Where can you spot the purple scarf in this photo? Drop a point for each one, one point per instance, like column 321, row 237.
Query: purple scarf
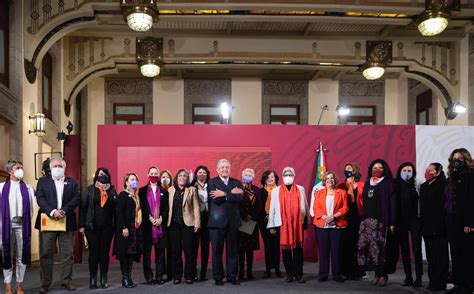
column 156, row 232
column 26, row 224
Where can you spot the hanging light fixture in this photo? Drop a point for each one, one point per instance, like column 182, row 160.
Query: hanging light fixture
column 37, row 124
column 435, row 18
column 149, row 56
column 139, row 15
column 378, row 54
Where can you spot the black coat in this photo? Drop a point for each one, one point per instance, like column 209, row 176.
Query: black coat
column 125, row 219
column 146, row 225
column 224, row 211
column 87, row 211
column 463, row 188
column 262, row 214
column 432, row 208
column 408, row 201
column 47, row 200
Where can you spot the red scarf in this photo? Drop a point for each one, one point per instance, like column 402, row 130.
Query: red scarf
column 291, row 230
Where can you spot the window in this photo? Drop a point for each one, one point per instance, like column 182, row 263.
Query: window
column 360, row 115
column 284, row 114
column 47, row 78
column 4, row 36
column 424, row 102
column 129, row 114
column 207, row 114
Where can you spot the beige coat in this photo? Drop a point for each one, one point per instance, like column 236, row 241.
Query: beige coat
column 191, row 212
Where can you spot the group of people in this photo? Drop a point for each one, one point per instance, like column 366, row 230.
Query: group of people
column 359, row 225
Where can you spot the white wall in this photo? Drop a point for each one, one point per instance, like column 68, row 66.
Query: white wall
column 95, row 117
column 247, row 99
column 323, row 92
column 396, row 101
column 168, row 101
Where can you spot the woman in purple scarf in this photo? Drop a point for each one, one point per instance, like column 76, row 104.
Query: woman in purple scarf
column 154, row 202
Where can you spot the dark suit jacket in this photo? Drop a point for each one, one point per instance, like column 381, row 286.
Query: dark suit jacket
column 224, row 211
column 146, row 225
column 47, row 200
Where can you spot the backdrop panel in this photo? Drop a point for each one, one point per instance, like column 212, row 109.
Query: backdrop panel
column 131, row 148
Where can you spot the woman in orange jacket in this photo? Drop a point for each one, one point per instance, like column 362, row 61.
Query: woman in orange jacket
column 330, row 209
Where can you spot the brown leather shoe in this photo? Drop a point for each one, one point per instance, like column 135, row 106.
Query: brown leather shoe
column 19, row 289
column 69, row 287
column 382, row 282
column 44, row 290
column 8, row 288
column 375, row 281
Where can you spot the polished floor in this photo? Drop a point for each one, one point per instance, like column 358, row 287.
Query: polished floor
column 273, row 286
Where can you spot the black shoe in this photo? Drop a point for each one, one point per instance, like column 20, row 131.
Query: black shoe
column 132, row 283
column 300, row 280
column 176, row 282
column 150, row 282
column 289, row 279
column 93, row 283
column 126, row 283
column 234, row 282
column 159, row 281
column 195, row 279
column 202, row 277
column 189, row 282
column 103, row 282
column 278, row 274
column 250, row 276
column 219, row 283
column 407, row 282
column 417, row 283
column 322, row 279
column 241, row 277
column 267, row 275
column 337, row 279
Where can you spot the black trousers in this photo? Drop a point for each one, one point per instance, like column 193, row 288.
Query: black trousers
column 349, row 264
column 182, row 238
column 99, row 241
column 438, row 260
column 203, row 242
column 231, row 238
column 413, row 229
column 329, row 245
column 245, row 255
column 271, row 245
column 159, row 262
column 126, row 265
column 293, row 262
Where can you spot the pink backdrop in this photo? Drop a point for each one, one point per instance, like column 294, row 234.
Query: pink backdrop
column 130, row 148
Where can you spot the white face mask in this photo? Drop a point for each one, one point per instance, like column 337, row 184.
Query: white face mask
column 57, row 172
column 165, row 181
column 19, row 174
column 288, row 180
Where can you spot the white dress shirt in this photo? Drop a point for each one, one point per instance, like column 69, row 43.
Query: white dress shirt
column 59, row 184
column 16, row 199
column 202, row 193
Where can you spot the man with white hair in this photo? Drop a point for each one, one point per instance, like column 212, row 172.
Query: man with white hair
column 289, row 212
column 57, row 197
column 225, row 194
column 16, row 202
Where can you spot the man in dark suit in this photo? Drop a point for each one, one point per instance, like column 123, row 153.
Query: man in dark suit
column 225, row 193
column 57, row 196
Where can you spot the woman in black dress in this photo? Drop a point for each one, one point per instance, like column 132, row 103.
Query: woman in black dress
column 128, row 215
column 96, row 221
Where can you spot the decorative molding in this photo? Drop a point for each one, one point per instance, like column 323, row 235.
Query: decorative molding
column 8, row 105
column 128, row 86
column 362, row 89
column 285, row 88
column 412, row 83
column 207, row 88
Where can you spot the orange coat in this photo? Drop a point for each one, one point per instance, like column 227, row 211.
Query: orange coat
column 340, row 205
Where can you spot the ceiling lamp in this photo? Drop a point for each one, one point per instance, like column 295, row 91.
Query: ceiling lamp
column 139, row 15
column 378, row 54
column 149, row 53
column 435, row 18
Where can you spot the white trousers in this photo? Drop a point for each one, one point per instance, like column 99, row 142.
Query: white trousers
column 16, row 241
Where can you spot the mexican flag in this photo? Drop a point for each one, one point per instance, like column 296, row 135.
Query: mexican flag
column 321, row 168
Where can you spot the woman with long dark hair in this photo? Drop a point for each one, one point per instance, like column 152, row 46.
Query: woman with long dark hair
column 96, row 220
column 433, row 226
column 460, row 219
column 409, row 222
column 379, row 217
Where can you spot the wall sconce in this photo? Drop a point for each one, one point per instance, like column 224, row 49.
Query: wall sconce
column 149, row 52
column 139, row 15
column 378, row 54
column 37, row 124
column 453, row 110
column 434, row 20
column 342, row 110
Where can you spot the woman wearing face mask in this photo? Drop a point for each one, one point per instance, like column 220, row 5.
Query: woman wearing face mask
column 409, row 222
column 166, row 179
column 379, row 216
column 201, row 176
column 184, row 220
column 330, row 209
column 289, row 211
column 248, row 212
column 271, row 242
column 96, row 220
column 154, row 200
column 128, row 216
column 353, row 187
column 460, row 219
column 433, row 226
